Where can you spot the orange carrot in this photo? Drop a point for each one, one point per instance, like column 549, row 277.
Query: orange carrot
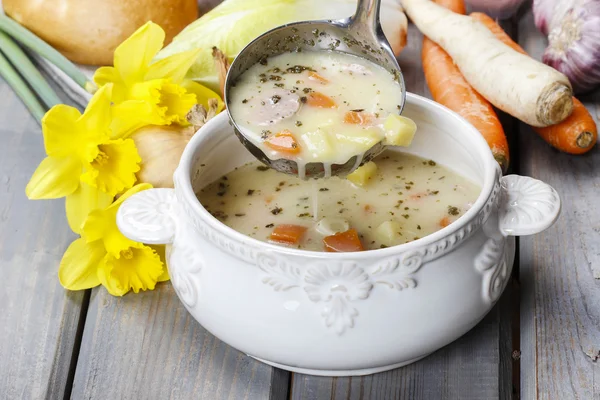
column 316, row 99
column 287, row 233
column 359, row 118
column 343, row 242
column 316, row 77
column 457, row 6
column 575, row 135
column 444, row 222
column 449, row 87
column 283, row 141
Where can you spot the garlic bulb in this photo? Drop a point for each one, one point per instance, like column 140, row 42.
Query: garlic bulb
column 573, row 29
column 161, row 147
column 496, row 8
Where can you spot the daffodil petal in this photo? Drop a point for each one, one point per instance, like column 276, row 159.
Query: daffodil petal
column 54, row 178
column 83, row 201
column 60, row 129
column 101, row 224
column 137, row 269
column 79, row 265
column 114, row 168
column 133, row 56
column 173, row 67
column 136, row 189
column 132, row 115
column 106, row 75
column 96, row 119
column 203, row 94
column 161, row 251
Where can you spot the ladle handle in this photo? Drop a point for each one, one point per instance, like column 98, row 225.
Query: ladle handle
column 367, row 15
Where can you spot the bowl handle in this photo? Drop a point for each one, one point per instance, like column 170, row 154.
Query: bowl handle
column 148, row 216
column 528, row 206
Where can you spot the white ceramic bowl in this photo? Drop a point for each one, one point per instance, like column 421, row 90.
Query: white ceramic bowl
column 342, row 313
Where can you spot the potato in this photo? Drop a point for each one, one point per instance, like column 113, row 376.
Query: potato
column 388, row 233
column 363, row 174
column 367, row 137
column 399, row 130
column 318, row 143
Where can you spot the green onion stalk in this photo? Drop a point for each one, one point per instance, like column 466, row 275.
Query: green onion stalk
column 34, row 43
column 12, row 77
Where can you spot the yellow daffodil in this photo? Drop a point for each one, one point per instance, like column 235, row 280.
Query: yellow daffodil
column 104, row 256
column 147, row 93
column 84, row 163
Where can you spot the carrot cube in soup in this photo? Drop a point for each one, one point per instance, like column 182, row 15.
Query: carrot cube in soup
column 444, row 222
column 312, row 75
column 288, row 233
column 320, row 100
column 343, row 242
column 284, row 142
column 359, row 118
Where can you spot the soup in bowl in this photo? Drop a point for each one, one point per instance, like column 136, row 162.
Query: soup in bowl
column 341, row 313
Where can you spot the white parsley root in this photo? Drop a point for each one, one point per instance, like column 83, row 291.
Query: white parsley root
column 515, row 83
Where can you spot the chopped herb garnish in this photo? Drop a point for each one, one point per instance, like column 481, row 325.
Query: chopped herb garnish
column 276, row 210
column 240, row 215
column 307, row 90
column 262, row 168
column 406, row 216
column 419, row 227
column 279, row 85
column 453, row 210
column 244, row 101
column 323, row 190
column 432, row 163
column 269, row 226
column 263, row 60
column 274, row 78
column 358, row 110
column 219, row 215
column 298, row 69
column 303, row 99
column 264, row 135
column 275, row 99
column 303, row 215
column 298, row 123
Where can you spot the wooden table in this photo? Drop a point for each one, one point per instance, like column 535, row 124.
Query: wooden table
column 541, row 340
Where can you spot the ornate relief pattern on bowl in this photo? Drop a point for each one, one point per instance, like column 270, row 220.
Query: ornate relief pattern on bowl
column 492, row 263
column 337, row 285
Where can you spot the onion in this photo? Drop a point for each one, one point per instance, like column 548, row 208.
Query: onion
column 573, row 29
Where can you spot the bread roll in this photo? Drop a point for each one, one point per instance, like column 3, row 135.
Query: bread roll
column 88, row 31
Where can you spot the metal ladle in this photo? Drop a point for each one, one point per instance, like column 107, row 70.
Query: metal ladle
column 359, row 35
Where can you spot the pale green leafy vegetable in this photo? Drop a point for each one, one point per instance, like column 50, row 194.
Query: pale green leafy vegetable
column 234, row 23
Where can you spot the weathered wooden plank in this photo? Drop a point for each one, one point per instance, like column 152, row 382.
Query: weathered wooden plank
column 560, row 313
column 39, row 319
column 477, row 366
column 147, row 346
